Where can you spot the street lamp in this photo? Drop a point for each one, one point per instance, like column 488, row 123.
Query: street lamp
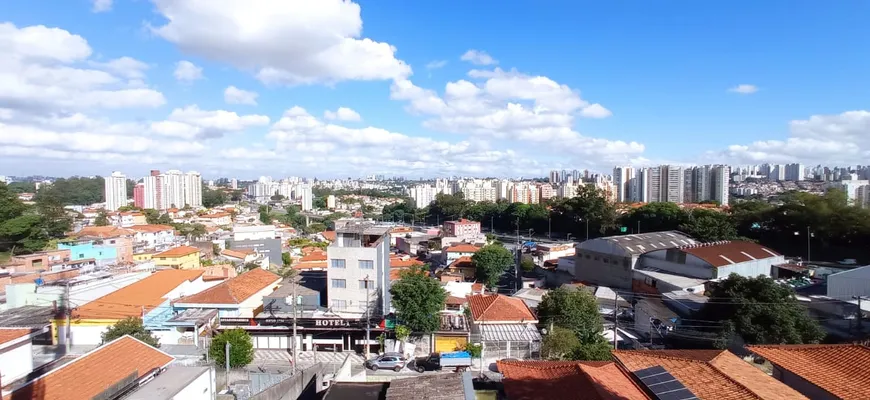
column 587, row 226
column 568, row 238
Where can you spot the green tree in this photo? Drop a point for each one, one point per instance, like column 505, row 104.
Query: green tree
column 241, row 348
column 657, row 216
column 559, row 343
column 761, row 311
column 418, row 300
column 709, row 226
column 75, row 190
column 315, row 227
column 55, row 220
column 527, row 264
column 102, row 219
column 286, row 259
column 491, row 262
column 319, row 203
column 152, row 216
column 23, row 234
column 130, row 326
column 577, row 311
column 265, row 218
column 212, row 198
column 164, row 219
column 277, row 197
column 10, row 206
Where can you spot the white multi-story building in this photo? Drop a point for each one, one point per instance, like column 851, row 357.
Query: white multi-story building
column 358, row 273
column 857, row 191
column 234, row 183
column 192, row 182
column 307, row 197
column 478, row 190
column 524, row 192
column 653, row 178
column 116, row 191
column 622, row 177
column 673, row 185
column 330, row 202
column 173, row 188
column 721, row 177
column 423, row 195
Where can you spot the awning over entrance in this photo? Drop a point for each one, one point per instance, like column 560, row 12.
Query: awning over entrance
column 510, row 333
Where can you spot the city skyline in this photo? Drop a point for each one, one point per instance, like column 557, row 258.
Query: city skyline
column 160, row 92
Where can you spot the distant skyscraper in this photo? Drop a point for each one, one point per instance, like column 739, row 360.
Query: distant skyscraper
column 192, row 182
column 554, row 177
column 234, row 183
column 721, row 177
column 139, row 195
column 673, row 183
column 653, row 182
column 307, row 198
column 794, row 172
column 116, row 191
column 622, row 177
column 154, row 193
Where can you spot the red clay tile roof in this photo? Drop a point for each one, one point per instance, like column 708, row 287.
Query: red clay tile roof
column 103, row 232
column 727, row 253
column 180, row 251
column 151, row 228
column 316, row 255
column 495, row 307
column 131, row 300
column 216, row 215
column 456, row 301
column 569, row 380
column 462, row 262
column 463, row 248
column 709, row 375
column 309, row 265
column 396, row 262
column 10, row 334
column 240, row 254
column 92, row 373
column 840, row 369
column 235, row 290
column 328, row 235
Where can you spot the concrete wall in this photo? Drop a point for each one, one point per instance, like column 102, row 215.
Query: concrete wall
column 202, row 388
column 801, row 385
column 16, row 361
column 604, row 268
column 304, row 383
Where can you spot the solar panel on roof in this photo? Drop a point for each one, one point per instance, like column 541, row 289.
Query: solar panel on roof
column 663, row 385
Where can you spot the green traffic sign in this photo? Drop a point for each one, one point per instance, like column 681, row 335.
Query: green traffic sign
column 623, row 229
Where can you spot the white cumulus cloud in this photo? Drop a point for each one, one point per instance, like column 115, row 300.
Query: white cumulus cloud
column 342, row 114
column 186, row 71
column 101, row 6
column 234, row 95
column 744, row 88
column 287, row 42
column 478, row 57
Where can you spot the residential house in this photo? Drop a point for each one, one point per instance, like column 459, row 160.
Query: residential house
column 402, row 263
column 254, row 232
column 216, row 219
column 505, row 325
column 822, row 371
column 280, row 301
column 183, row 257
column 313, row 259
column 16, row 353
column 153, row 237
column 40, row 261
column 235, row 297
column 463, row 229
column 462, row 266
column 147, row 299
column 101, row 243
column 706, row 374
column 242, row 256
column 127, row 219
column 453, row 253
column 107, row 372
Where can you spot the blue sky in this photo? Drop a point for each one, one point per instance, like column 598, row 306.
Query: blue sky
column 570, row 85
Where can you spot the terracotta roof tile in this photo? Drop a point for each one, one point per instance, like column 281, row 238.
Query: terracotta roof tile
column 103, row 232
column 90, row 374
column 328, row 235
column 10, row 334
column 842, row 370
column 151, row 228
column 569, row 380
column 463, row 248
column 318, row 255
column 727, row 253
column 235, row 290
column 462, row 262
column 310, row 265
column 396, row 262
column 495, row 307
column 240, row 254
column 131, row 300
column 708, row 376
column 216, row 215
column 180, row 251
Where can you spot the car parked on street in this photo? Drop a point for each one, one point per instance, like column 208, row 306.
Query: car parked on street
column 393, row 361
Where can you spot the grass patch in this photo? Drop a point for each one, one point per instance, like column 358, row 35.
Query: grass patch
column 5, row 256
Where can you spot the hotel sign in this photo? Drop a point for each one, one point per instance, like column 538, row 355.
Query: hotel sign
column 331, row 322
column 314, row 322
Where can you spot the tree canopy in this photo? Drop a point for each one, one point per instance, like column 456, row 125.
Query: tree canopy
column 576, row 311
column 490, row 262
column 130, row 326
column 241, row 348
column 418, row 300
column 213, row 198
column 760, row 311
column 27, row 229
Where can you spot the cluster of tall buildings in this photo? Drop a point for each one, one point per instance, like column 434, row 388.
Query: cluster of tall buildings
column 292, row 188
column 514, row 191
column 672, row 184
column 160, row 191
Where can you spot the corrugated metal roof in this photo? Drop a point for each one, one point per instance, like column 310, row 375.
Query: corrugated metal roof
column 638, row 244
column 510, row 333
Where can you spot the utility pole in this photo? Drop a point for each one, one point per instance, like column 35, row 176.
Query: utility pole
column 67, row 309
column 615, row 317
column 295, row 347
column 227, row 361
column 860, row 312
column 809, row 235
column 368, row 320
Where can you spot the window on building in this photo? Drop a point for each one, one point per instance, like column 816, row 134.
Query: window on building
column 596, row 258
column 339, row 304
column 364, row 284
column 339, row 283
column 337, row 263
column 366, row 264
column 605, row 260
column 588, row 256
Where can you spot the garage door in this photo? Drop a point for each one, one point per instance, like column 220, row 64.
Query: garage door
column 450, row 343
